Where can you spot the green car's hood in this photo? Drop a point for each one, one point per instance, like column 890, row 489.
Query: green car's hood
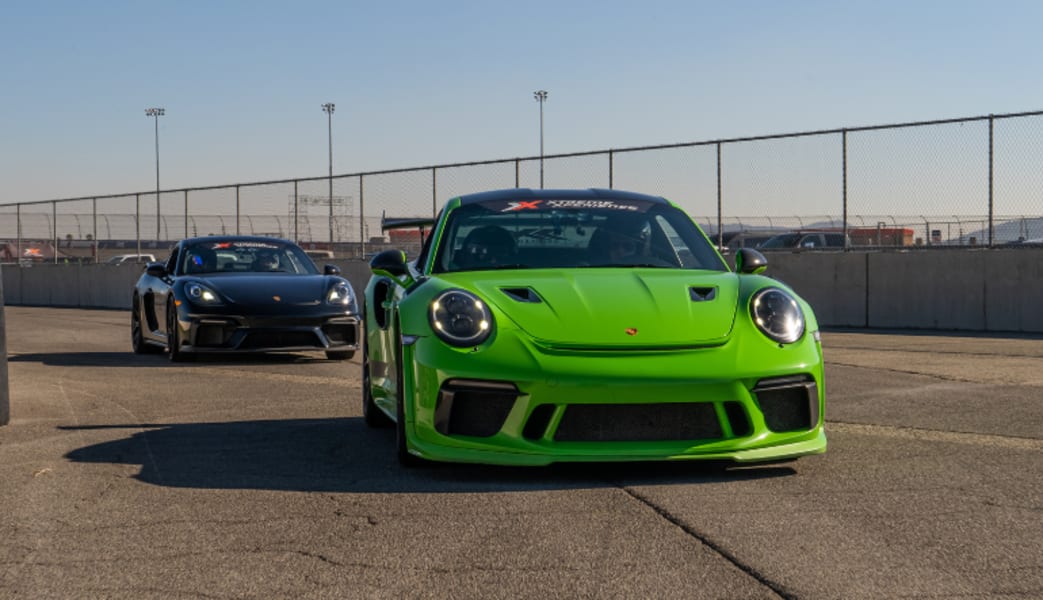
column 615, row 307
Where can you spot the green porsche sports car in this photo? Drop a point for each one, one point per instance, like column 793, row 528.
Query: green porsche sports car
column 538, row 326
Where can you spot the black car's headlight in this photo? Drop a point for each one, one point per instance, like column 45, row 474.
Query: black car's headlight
column 340, row 294
column 778, row 315
column 460, row 318
column 200, row 294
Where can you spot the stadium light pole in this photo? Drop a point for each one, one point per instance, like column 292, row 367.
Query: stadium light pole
column 328, row 109
column 156, row 113
column 541, row 97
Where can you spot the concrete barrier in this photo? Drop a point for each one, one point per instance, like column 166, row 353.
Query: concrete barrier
column 997, row 290
column 833, row 283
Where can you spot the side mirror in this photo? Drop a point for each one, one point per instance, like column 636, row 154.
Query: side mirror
column 331, row 270
column 392, row 262
column 750, row 262
column 156, row 269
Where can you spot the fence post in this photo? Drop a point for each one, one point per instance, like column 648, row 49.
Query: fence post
column 611, row 170
column 5, row 404
column 94, row 230
column 18, row 217
column 843, row 194
column 362, row 219
column 991, row 223
column 296, row 232
column 186, row 214
column 720, row 218
column 434, row 191
column 137, row 221
column 54, row 217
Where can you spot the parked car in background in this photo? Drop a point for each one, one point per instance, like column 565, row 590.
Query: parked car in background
column 119, row 259
column 242, row 294
column 538, row 326
column 804, row 240
column 319, row 255
column 746, row 239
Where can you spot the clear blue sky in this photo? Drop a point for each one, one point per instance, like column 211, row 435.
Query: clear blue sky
column 423, row 83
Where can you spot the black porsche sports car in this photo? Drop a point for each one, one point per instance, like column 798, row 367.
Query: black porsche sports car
column 242, row 294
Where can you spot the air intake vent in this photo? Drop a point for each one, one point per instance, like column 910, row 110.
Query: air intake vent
column 702, row 294
column 522, row 294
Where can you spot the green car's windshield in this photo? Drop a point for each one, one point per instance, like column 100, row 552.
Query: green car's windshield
column 572, row 234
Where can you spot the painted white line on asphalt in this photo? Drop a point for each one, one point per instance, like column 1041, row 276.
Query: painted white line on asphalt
column 930, row 435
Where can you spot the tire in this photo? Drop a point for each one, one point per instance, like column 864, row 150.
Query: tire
column 371, row 414
column 340, row 354
column 401, row 443
column 137, row 336
column 174, row 352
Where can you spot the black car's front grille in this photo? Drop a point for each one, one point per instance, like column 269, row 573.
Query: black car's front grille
column 473, row 408
column 214, row 334
column 638, row 422
column 788, row 404
column 280, row 339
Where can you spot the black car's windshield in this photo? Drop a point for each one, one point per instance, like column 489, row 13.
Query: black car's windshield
column 572, row 234
column 245, row 256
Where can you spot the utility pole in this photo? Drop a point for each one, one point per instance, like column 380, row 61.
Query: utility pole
column 541, row 97
column 328, row 109
column 156, row 113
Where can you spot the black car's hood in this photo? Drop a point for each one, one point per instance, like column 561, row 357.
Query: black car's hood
column 277, row 289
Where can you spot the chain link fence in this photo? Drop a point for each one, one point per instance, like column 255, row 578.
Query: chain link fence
column 974, row 181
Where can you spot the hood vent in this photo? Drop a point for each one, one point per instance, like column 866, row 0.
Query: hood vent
column 702, row 294
column 522, row 294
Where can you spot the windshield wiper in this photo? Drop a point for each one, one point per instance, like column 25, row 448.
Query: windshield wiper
column 495, row 267
column 633, row 265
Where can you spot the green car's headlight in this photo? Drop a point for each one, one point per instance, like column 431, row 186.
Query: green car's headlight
column 200, row 294
column 460, row 318
column 778, row 315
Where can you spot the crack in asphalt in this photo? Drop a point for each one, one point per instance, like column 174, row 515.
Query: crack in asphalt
column 935, row 351
column 934, row 435
column 904, row 371
column 777, row 588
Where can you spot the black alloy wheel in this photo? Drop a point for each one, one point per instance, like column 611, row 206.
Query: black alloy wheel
column 174, row 352
column 401, row 445
column 371, row 414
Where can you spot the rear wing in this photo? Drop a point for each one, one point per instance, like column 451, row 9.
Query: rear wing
column 424, row 224
column 406, row 223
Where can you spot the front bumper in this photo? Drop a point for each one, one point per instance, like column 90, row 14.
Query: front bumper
column 218, row 333
column 743, row 401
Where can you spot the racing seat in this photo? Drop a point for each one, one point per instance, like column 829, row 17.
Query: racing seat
column 487, row 246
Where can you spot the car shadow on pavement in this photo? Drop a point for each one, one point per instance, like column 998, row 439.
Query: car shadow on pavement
column 343, row 455
column 129, row 359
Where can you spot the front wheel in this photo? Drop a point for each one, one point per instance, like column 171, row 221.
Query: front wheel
column 174, row 352
column 371, row 414
column 401, row 441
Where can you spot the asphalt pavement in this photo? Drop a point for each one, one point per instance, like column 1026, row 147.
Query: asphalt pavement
column 125, row 476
